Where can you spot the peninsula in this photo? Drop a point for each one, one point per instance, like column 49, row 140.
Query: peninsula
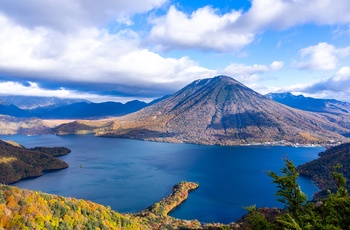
column 18, row 162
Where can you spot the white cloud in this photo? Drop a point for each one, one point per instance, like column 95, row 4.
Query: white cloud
column 282, row 14
column 322, row 56
column 339, row 82
column 276, row 65
column 262, row 89
column 204, row 29
column 15, row 88
column 90, row 56
column 250, row 73
column 341, row 30
column 68, row 15
column 336, row 86
column 207, row 29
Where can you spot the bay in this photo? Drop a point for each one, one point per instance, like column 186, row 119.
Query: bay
column 130, row 175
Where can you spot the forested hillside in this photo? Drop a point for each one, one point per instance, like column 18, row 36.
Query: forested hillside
column 320, row 168
column 17, row 162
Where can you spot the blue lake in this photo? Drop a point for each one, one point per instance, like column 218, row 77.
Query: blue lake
column 130, row 175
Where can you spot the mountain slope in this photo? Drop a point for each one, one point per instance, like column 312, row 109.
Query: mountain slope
column 223, row 111
column 311, row 104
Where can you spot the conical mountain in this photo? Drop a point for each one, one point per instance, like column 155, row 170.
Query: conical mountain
column 221, row 110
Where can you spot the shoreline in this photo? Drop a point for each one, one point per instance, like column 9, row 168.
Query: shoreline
column 283, row 143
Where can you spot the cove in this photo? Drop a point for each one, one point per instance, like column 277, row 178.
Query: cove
column 130, row 175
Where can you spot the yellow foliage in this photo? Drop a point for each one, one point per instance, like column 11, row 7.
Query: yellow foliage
column 6, row 160
column 11, row 202
column 13, row 143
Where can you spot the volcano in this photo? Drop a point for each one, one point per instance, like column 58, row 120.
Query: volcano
column 223, row 111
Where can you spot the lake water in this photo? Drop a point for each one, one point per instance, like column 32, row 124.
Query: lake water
column 130, row 175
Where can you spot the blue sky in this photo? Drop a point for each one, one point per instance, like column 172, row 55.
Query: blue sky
column 143, row 49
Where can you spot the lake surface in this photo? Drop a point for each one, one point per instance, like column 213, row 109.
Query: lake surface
column 130, row 175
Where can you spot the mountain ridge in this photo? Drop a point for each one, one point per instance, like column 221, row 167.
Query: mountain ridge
column 35, row 102
column 79, row 110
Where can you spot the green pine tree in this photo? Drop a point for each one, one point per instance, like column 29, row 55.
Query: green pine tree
column 289, row 191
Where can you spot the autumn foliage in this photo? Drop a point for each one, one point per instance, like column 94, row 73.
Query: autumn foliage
column 24, row 209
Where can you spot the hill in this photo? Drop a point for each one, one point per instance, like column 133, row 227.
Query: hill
column 222, row 111
column 18, row 162
column 319, row 169
column 311, row 104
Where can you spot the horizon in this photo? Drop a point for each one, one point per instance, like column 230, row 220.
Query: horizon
column 142, row 50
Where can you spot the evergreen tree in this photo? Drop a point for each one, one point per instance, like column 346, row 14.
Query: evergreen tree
column 289, row 191
column 332, row 212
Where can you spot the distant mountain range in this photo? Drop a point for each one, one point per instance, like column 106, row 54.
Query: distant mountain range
column 79, row 110
column 221, row 111
column 83, row 110
column 32, row 102
column 311, row 104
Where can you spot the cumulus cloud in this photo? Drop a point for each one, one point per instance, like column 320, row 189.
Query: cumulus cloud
column 263, row 89
column 322, row 56
column 339, row 82
column 336, row 86
column 90, row 56
column 207, row 29
column 204, row 29
column 250, row 73
column 282, row 14
column 71, row 14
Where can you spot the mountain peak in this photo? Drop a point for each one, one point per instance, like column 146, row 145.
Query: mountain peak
column 223, row 78
column 220, row 78
column 222, row 83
